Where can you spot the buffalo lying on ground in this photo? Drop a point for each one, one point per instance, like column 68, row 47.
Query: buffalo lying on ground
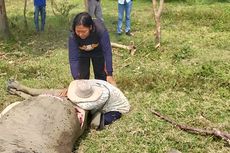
column 40, row 124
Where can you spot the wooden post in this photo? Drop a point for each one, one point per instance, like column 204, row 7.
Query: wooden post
column 157, row 16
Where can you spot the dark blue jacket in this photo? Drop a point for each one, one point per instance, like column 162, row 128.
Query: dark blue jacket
column 39, row 2
column 101, row 36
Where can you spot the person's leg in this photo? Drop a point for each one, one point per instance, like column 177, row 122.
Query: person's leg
column 110, row 117
column 91, row 7
column 99, row 68
column 99, row 120
column 43, row 17
column 98, row 11
column 120, row 17
column 128, row 8
column 84, row 68
column 36, row 17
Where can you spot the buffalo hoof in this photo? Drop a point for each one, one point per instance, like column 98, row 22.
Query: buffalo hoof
column 12, row 84
column 11, row 91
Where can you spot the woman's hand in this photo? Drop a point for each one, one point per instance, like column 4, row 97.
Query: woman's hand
column 111, row 80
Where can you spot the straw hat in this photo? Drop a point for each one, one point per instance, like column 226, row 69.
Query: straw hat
column 83, row 91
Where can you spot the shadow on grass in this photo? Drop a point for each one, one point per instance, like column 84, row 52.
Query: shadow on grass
column 27, row 40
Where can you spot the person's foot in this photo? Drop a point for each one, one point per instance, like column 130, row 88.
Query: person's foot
column 129, row 33
column 119, row 34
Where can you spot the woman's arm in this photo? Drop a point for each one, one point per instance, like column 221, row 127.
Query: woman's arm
column 73, row 56
column 107, row 51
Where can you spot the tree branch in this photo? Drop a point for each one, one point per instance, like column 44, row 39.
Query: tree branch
column 131, row 48
column 223, row 135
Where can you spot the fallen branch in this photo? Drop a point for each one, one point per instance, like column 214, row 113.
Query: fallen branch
column 3, row 55
column 214, row 132
column 131, row 48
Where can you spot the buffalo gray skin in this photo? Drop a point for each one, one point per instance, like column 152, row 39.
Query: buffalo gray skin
column 40, row 124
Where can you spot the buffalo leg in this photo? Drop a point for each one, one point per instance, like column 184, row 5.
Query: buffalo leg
column 12, row 84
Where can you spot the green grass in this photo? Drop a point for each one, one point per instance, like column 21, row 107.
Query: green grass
column 187, row 79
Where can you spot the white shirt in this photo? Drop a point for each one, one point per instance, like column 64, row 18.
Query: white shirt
column 123, row 1
column 112, row 99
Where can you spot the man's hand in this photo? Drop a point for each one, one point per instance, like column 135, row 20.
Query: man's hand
column 63, row 93
column 111, row 80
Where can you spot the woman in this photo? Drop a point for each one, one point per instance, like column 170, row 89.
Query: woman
column 89, row 40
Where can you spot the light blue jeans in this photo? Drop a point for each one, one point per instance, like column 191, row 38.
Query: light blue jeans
column 127, row 7
column 39, row 10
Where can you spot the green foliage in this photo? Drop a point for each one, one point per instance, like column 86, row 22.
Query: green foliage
column 62, row 7
column 206, row 70
column 184, row 53
column 201, row 16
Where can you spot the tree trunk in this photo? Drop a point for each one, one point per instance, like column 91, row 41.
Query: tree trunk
column 157, row 16
column 4, row 28
column 24, row 14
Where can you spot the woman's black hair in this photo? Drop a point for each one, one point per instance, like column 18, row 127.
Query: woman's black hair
column 84, row 19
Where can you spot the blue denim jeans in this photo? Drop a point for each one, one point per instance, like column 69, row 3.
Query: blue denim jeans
column 127, row 7
column 39, row 10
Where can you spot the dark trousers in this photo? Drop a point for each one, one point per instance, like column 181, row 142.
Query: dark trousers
column 98, row 67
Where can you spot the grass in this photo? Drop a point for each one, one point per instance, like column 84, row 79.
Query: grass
column 187, row 79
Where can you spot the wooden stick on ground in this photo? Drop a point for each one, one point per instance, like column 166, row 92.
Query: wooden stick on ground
column 131, row 48
column 225, row 136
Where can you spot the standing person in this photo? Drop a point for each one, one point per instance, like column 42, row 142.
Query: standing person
column 39, row 10
column 89, row 41
column 94, row 9
column 124, row 6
